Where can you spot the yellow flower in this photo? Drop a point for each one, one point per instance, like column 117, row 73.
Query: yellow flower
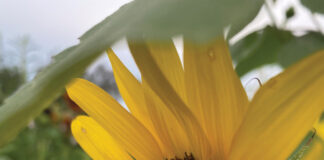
column 198, row 111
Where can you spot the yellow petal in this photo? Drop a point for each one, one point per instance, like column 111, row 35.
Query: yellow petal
column 131, row 90
column 167, row 59
column 214, row 92
column 172, row 134
column 162, row 87
column 119, row 123
column 319, row 127
column 133, row 94
column 96, row 141
column 282, row 112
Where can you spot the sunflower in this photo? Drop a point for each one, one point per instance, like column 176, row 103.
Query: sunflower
column 197, row 110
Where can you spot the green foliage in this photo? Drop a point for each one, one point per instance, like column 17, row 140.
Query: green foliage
column 300, row 47
column 199, row 20
column 314, row 5
column 44, row 141
column 10, row 80
column 273, row 46
column 259, row 48
column 290, row 13
column 105, row 79
column 150, row 18
column 26, row 103
column 49, row 137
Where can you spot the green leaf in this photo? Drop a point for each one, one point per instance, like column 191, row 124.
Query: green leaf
column 273, row 46
column 259, row 48
column 199, row 20
column 314, row 5
column 18, row 110
column 290, row 12
column 300, row 47
column 158, row 19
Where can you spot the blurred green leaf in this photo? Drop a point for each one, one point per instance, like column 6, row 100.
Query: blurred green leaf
column 26, row 103
column 299, row 48
column 10, row 80
column 273, row 46
column 259, row 48
column 200, row 20
column 314, row 5
column 290, row 12
column 46, row 140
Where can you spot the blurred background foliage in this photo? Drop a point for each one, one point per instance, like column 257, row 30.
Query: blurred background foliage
column 49, row 136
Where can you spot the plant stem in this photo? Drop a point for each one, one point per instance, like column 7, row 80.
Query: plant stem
column 316, row 23
column 270, row 13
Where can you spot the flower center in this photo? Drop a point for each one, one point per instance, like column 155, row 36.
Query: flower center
column 186, row 157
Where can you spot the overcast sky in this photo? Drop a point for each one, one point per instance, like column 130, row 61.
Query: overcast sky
column 52, row 24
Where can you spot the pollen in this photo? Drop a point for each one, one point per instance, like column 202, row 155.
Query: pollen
column 186, row 157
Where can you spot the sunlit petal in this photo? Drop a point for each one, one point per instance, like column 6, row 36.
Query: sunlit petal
column 131, row 90
column 165, row 55
column 167, row 59
column 96, row 141
column 164, row 123
column 119, row 123
column 282, row 112
column 169, row 129
column 162, row 87
column 214, row 92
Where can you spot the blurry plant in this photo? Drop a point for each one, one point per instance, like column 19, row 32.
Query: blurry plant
column 10, row 80
column 103, row 78
column 48, row 136
column 43, row 140
column 10, row 77
column 23, row 46
column 1, row 48
column 290, row 12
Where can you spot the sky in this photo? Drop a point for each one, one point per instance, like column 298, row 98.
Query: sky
column 56, row 24
column 52, row 24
